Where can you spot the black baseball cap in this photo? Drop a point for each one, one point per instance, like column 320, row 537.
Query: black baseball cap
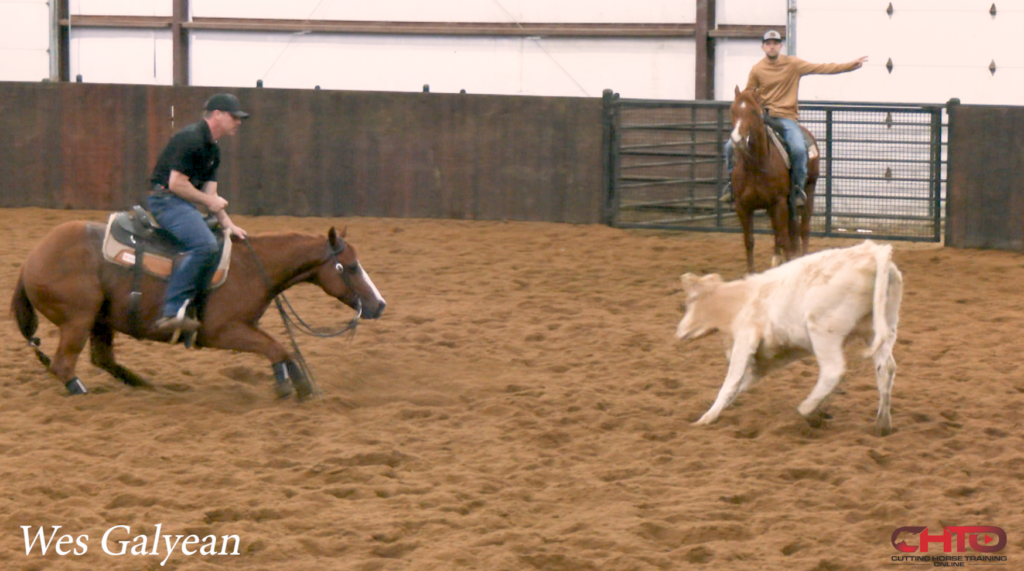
column 226, row 102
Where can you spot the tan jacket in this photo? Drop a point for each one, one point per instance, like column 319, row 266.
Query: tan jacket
column 779, row 82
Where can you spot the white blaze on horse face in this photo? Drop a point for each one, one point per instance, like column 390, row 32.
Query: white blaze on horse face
column 366, row 278
column 736, row 137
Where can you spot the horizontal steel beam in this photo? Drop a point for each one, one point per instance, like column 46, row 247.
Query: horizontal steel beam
column 445, row 28
column 744, row 32
column 391, row 28
column 151, row 22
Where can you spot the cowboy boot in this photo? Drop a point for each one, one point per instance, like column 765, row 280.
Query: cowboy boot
column 727, row 196
column 797, row 196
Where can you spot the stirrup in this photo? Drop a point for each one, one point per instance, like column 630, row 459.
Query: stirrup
column 799, row 197
column 727, row 194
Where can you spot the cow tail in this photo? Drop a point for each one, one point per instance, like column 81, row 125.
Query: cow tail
column 883, row 259
column 28, row 321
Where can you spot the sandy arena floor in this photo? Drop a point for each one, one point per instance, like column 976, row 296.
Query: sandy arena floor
column 522, row 405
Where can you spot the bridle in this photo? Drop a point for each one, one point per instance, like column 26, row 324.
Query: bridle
column 281, row 301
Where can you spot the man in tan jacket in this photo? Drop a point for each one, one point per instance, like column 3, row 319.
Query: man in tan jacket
column 777, row 80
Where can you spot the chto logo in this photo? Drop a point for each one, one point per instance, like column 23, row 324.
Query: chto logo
column 982, row 538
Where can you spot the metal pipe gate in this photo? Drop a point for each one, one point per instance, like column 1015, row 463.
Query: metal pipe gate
column 882, row 170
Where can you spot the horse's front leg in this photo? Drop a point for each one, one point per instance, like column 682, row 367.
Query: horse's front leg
column 746, row 223
column 805, row 219
column 250, row 339
column 779, row 213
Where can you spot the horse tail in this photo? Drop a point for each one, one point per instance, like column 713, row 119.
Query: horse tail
column 23, row 311
column 28, row 321
column 886, row 299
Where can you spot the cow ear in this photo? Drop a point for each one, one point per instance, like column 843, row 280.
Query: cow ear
column 691, row 283
column 710, row 281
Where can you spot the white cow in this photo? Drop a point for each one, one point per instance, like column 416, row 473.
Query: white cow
column 809, row 305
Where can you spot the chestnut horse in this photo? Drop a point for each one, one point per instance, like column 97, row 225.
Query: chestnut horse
column 68, row 281
column 760, row 181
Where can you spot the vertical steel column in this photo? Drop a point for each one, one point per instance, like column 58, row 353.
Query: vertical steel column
column 951, row 107
column 936, row 172
column 720, row 154
column 63, row 40
column 705, row 50
column 828, row 172
column 693, row 160
column 791, row 27
column 607, row 160
column 179, row 42
column 614, row 142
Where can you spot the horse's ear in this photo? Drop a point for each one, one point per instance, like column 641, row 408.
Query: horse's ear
column 332, row 237
column 737, row 91
column 344, row 232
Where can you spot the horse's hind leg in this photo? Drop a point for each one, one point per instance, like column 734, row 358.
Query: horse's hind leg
column 102, row 343
column 73, row 334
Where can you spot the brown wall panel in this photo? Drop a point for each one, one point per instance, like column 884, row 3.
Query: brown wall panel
column 315, row 152
column 985, row 203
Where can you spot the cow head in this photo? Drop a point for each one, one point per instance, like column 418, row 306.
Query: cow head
column 702, row 315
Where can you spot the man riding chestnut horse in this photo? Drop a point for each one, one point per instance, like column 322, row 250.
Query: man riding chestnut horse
column 776, row 82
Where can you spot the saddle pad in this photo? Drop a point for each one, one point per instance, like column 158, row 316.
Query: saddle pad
column 158, row 265
column 812, row 147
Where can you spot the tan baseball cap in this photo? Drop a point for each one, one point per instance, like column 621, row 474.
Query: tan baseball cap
column 771, row 35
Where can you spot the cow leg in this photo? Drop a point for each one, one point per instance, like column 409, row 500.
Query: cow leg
column 739, row 377
column 885, row 371
column 828, row 349
column 102, row 353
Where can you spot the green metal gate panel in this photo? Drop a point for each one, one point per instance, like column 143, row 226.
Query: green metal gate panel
column 882, row 170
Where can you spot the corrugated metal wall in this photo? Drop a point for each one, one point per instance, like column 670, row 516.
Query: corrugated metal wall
column 324, row 153
column 985, row 206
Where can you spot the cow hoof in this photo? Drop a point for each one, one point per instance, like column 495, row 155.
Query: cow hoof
column 75, row 387
column 705, row 420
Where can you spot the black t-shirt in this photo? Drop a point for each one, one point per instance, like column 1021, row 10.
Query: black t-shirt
column 193, row 153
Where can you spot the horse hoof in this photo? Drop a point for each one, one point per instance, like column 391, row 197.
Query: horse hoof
column 75, row 387
column 283, row 390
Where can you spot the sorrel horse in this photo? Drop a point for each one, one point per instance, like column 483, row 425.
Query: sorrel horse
column 87, row 298
column 760, row 181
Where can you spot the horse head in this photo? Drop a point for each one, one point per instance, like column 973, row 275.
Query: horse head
column 343, row 277
column 747, row 120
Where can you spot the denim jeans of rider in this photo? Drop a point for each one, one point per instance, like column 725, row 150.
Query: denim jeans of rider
column 179, row 217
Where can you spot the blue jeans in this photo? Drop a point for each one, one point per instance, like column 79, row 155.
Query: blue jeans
column 179, row 217
column 797, row 150
column 794, row 137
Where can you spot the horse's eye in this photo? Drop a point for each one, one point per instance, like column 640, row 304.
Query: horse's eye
column 352, row 269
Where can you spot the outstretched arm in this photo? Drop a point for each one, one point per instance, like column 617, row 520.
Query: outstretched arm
column 807, row 68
